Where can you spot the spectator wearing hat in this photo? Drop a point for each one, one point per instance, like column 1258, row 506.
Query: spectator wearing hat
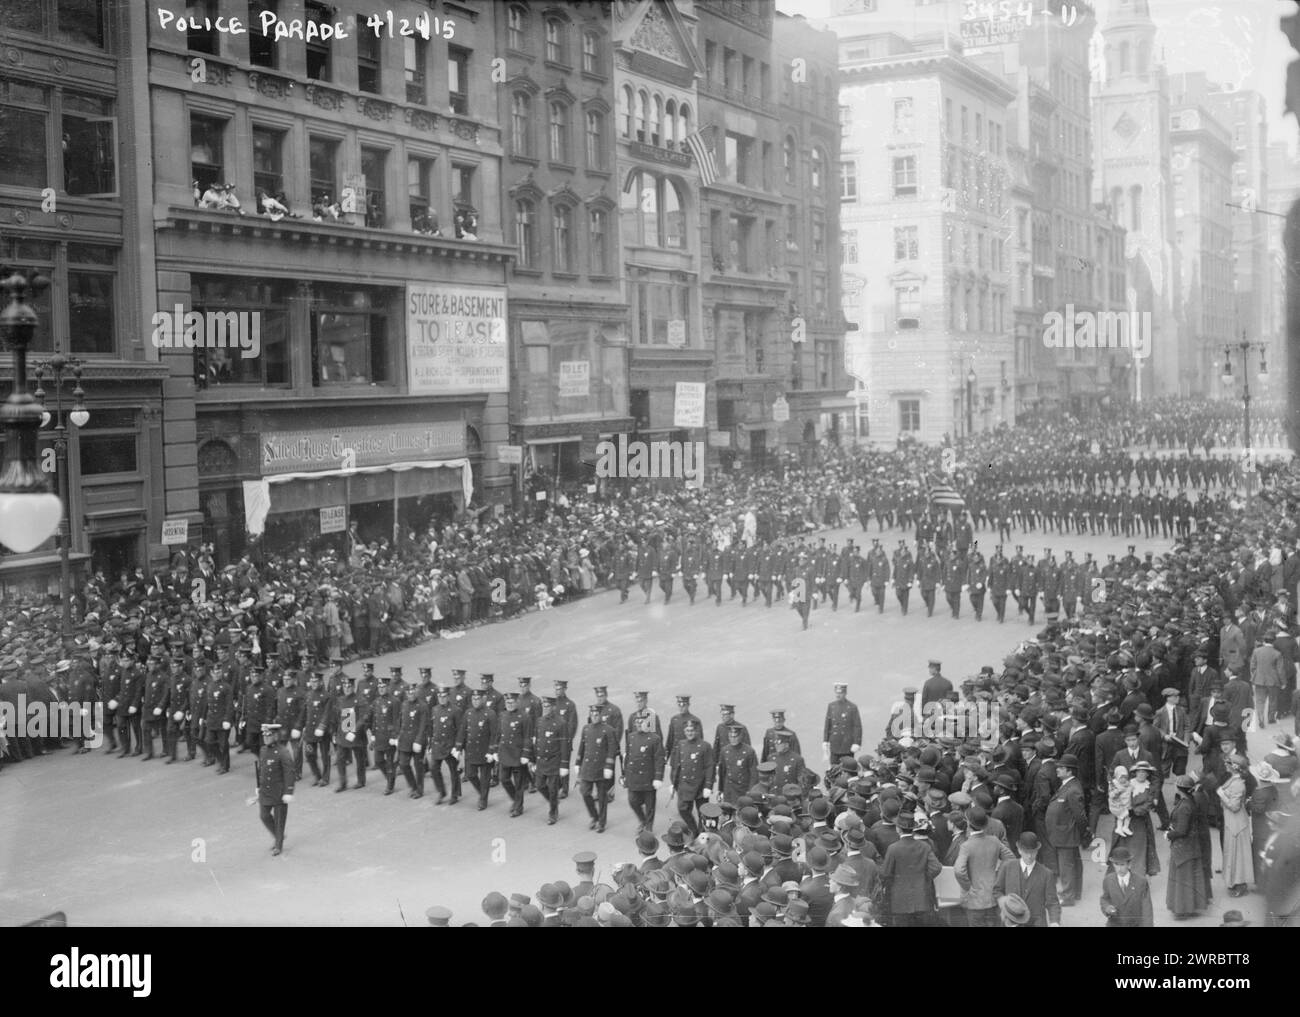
column 1187, row 891
column 274, row 776
column 844, row 886
column 1232, row 793
column 1026, row 888
column 1175, row 734
column 1239, row 695
column 1125, row 894
column 1267, row 679
column 908, row 873
column 1200, row 680
column 976, row 869
column 1006, row 809
column 1067, row 829
column 1232, row 646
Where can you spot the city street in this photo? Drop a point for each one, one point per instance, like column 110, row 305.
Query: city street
column 116, row 842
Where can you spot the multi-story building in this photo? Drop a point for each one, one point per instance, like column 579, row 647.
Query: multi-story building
column 930, row 223
column 815, row 179
column 370, row 248
column 568, row 316
column 1283, row 190
column 656, row 68
column 1202, row 159
column 75, row 186
column 1131, row 161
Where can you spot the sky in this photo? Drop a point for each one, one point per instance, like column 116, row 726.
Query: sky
column 1238, row 42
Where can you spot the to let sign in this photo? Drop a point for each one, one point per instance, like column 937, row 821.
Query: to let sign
column 333, row 519
column 688, row 406
column 456, row 339
column 511, row 454
column 176, row 531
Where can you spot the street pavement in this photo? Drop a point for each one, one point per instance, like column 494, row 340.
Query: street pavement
column 120, row 842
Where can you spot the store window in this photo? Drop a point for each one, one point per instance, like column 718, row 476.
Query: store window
column 663, row 314
column 349, row 336
column 109, row 443
column 572, row 369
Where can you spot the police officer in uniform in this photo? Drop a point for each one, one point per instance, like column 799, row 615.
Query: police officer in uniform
column 412, row 734
column 259, row 708
column 929, row 570
column 691, row 765
column 597, row 749
column 770, row 736
column 976, row 578
column 352, row 721
column 999, row 582
column 677, row 723
column 842, row 731
column 728, row 714
column 274, row 774
column 218, row 718
column 737, row 765
column 613, row 718
column 641, row 712
column 513, row 746
column 178, row 708
column 553, row 749
column 904, row 575
column 954, row 578
column 568, row 711
column 877, row 574
column 318, row 721
column 385, row 721
column 444, row 738
column 290, row 708
column 643, row 768
column 478, row 741
column 129, row 697
column 154, row 706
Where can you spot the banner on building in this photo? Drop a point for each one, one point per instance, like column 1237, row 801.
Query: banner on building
column 176, row 531
column 357, row 447
column 333, row 519
column 512, row 455
column 456, row 339
column 688, row 406
column 575, row 379
column 677, row 332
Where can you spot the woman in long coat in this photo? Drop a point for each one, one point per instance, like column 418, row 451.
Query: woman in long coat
column 1237, row 864
column 1187, row 892
column 1142, row 840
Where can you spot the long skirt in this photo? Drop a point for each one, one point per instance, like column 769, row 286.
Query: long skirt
column 1187, row 892
column 1142, row 843
column 1238, row 868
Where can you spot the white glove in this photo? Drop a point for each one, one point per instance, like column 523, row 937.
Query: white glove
column 295, row 733
column 708, row 792
column 178, row 716
column 417, row 747
column 658, row 784
column 523, row 761
column 854, row 749
column 392, row 742
column 320, row 732
column 286, row 799
column 131, row 710
column 564, row 773
column 351, row 736
column 157, row 711
column 225, row 725
column 491, row 757
column 455, row 753
column 609, row 773
column 112, row 704
column 826, row 750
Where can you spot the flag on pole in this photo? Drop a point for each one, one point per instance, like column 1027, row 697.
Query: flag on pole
column 703, row 158
column 945, row 495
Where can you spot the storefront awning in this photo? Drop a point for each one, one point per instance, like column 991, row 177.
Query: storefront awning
column 553, row 441
column 257, row 493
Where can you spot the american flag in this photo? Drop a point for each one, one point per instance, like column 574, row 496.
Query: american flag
column 945, row 495
column 703, row 158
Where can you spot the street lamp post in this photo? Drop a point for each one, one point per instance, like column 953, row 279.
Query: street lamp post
column 1245, row 346
column 58, row 367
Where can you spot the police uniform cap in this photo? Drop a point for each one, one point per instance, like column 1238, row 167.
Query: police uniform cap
column 395, row 672
column 711, row 810
column 438, row 915
column 778, row 713
column 910, row 690
column 271, row 727
column 641, row 695
column 559, row 683
column 548, row 700
column 683, row 700
column 584, row 859
column 727, row 708
column 600, row 690
column 510, row 697
column 426, row 672
column 524, row 680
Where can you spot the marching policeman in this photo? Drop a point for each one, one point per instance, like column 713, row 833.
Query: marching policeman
column 513, row 748
column 596, row 751
column 904, row 574
column 412, row 735
column 178, row 707
column 999, row 581
column 737, row 765
column 478, row 741
column 274, row 775
column 954, row 578
column 878, row 574
column 641, row 712
column 154, row 706
column 677, row 723
column 770, row 735
column 568, row 711
column 691, row 765
column 218, row 718
column 929, row 571
column 290, row 709
column 318, row 721
column 643, row 768
column 259, row 708
column 728, row 713
column 130, row 696
column 554, row 748
column 385, row 722
column 444, row 736
column 976, row 577
column 352, row 721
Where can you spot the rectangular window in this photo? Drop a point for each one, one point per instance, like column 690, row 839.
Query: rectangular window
column 561, row 238
column 905, row 176
column 819, row 293
column 849, row 245
column 368, row 62
column 267, row 175
column 323, row 154
column 825, row 361
column 206, row 151
column 318, row 52
column 525, row 233
column 905, row 243
column 595, row 141
column 848, row 180
column 818, row 234
column 416, row 60
column 738, row 153
column 458, row 79
column 349, row 336
column 521, row 132
column 657, row 305
column 907, row 305
column 462, row 183
column 419, row 185
column 89, row 146
column 846, row 121
column 590, row 53
column 92, row 308
column 261, row 48
column 515, row 28
column 598, row 241
column 243, row 297
column 739, row 229
column 107, row 452
column 555, row 41
column 79, row 22
column 559, row 132
column 201, row 37
column 903, row 112
column 909, row 415
column 965, row 126
column 710, row 61
column 373, row 164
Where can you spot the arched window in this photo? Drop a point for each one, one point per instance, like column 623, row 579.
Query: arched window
column 1123, row 57
column 562, row 238
column 683, row 122
column 516, row 21
column 595, row 140
column 818, row 170
column 670, row 124
column 642, row 115
column 788, row 159
column 559, row 132
column 526, row 232
column 626, row 102
column 674, row 216
column 657, row 121
column 555, row 41
column 521, row 110
column 590, row 52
